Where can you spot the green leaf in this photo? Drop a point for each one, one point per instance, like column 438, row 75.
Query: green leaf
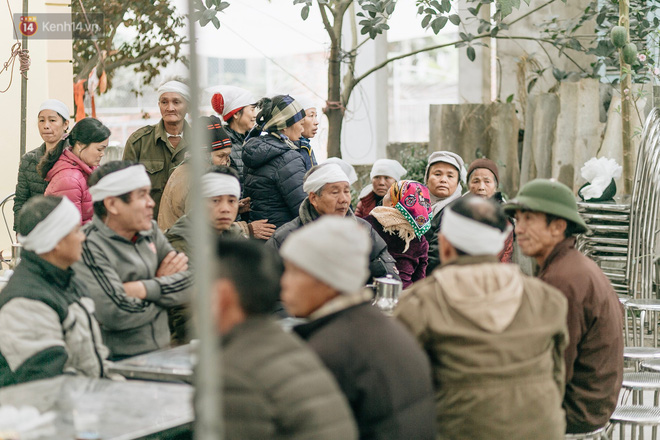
column 471, row 53
column 222, row 6
column 425, row 21
column 473, row 11
column 390, row 8
column 509, row 98
column 438, row 24
column 531, row 85
column 216, row 22
column 507, row 6
column 304, row 13
column 455, row 19
column 446, row 6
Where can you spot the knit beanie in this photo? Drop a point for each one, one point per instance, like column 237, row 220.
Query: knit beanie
column 484, row 163
column 217, row 136
column 332, row 249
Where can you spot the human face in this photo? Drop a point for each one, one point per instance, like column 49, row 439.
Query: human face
column 92, row 153
column 382, row 184
column 302, row 294
column 51, row 126
column 69, row 249
column 443, row 180
column 136, row 215
column 310, row 123
column 535, row 236
column 173, row 107
column 335, row 199
column 221, row 157
column 222, row 211
column 483, row 183
column 244, row 119
column 295, row 131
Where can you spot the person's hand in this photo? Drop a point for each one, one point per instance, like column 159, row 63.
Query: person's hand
column 135, row 289
column 174, row 262
column 262, row 230
column 244, row 205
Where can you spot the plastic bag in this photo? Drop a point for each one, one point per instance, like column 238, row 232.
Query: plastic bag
column 600, row 173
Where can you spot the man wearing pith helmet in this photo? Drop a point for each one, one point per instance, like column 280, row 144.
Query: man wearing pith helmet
column 546, row 222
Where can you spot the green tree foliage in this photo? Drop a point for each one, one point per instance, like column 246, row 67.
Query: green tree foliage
column 143, row 34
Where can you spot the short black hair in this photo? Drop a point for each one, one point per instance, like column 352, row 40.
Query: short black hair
column 482, row 210
column 101, row 172
column 255, row 271
column 34, row 211
column 571, row 228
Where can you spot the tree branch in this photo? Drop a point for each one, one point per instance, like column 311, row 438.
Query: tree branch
column 142, row 57
column 527, row 14
column 326, row 22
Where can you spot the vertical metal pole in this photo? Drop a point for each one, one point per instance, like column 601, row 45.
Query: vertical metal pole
column 208, row 409
column 24, row 45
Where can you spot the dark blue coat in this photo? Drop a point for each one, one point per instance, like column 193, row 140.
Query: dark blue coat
column 273, row 179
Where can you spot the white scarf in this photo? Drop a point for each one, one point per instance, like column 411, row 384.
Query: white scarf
column 439, row 204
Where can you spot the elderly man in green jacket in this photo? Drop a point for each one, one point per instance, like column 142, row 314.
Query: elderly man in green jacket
column 161, row 147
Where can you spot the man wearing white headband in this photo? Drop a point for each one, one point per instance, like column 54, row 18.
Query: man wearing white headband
column 329, row 193
column 497, row 335
column 48, row 326
column 384, row 173
column 372, row 358
column 161, row 147
column 130, row 270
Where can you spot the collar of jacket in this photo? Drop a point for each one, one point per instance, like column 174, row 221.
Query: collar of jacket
column 560, row 249
column 303, row 142
column 259, row 324
column 308, row 214
column 235, row 136
column 161, row 133
column 464, row 260
column 308, row 328
column 53, row 274
column 109, row 233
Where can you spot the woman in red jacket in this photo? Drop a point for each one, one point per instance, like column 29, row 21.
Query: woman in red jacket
column 67, row 167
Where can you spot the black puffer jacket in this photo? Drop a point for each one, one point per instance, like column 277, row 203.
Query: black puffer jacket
column 236, row 154
column 273, row 179
column 381, row 263
column 30, row 183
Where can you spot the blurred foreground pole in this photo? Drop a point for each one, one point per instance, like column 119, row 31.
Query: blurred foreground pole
column 208, row 410
column 24, row 91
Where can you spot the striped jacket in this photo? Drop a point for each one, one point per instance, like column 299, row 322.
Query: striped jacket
column 130, row 326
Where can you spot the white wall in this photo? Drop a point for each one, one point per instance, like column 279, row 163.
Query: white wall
column 48, row 78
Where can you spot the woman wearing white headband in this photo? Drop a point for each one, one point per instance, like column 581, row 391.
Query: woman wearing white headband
column 48, row 326
column 162, row 147
column 53, row 122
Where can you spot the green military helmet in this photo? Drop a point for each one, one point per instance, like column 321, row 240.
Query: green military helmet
column 550, row 197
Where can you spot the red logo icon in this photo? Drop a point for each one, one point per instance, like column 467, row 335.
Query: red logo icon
column 28, row 26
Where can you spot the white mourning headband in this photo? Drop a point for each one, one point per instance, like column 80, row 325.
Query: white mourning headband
column 120, row 182
column 328, row 173
column 176, row 87
column 51, row 230
column 216, row 184
column 471, row 236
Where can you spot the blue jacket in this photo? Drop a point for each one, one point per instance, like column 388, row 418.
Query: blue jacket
column 273, row 179
column 306, row 152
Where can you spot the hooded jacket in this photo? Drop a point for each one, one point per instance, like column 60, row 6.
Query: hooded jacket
column 496, row 341
column 273, row 179
column 68, row 177
column 381, row 263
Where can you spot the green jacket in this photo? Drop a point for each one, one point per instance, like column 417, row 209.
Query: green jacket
column 150, row 147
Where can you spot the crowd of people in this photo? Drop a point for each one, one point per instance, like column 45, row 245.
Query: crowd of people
column 475, row 348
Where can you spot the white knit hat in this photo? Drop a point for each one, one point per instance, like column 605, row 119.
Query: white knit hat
column 332, row 249
column 227, row 100
column 388, row 167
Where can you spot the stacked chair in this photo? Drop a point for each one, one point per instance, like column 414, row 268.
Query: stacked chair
column 622, row 242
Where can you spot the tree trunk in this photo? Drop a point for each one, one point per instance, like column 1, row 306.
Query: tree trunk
column 334, row 106
column 626, row 106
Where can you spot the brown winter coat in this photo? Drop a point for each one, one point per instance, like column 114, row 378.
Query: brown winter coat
column 495, row 338
column 594, row 356
column 174, row 202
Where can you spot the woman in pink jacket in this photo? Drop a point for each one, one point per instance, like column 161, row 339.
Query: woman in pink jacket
column 67, row 167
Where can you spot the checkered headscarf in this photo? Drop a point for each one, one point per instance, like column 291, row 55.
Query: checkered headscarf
column 284, row 114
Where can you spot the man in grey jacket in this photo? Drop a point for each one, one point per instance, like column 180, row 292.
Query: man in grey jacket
column 274, row 386
column 130, row 270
